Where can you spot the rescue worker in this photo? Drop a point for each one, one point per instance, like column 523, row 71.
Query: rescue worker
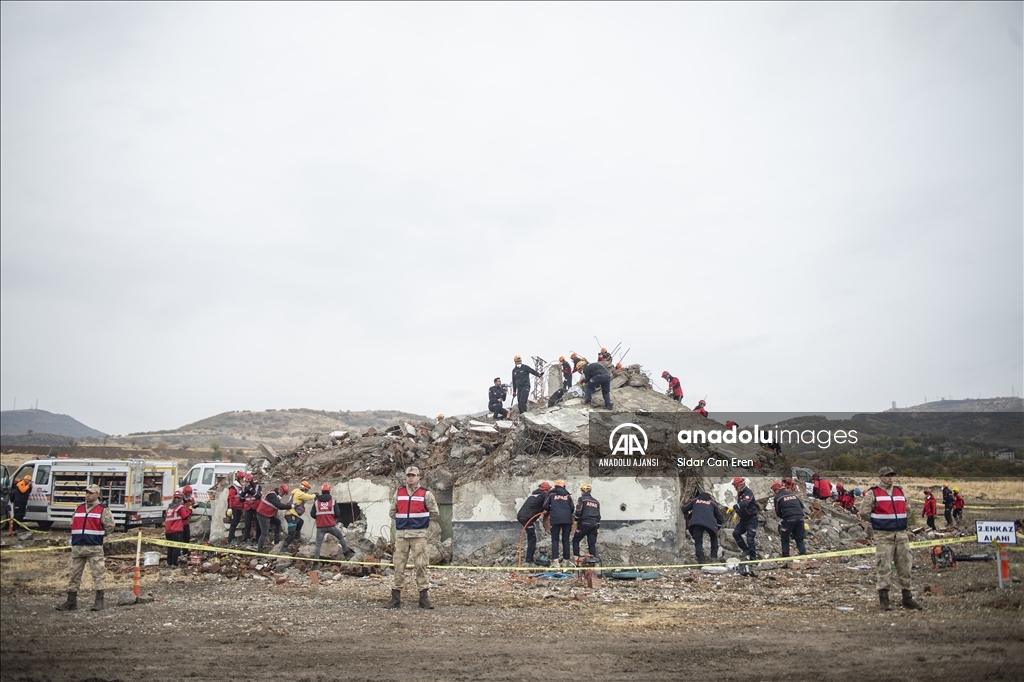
column 789, row 484
column 496, row 395
column 236, row 503
column 595, row 375
column 588, row 521
column 327, row 515
column 575, row 360
column 253, row 494
column 887, row 506
column 413, row 508
column 567, row 371
column 845, row 499
column 266, row 511
column 745, row 532
column 604, row 356
column 19, row 497
column 293, row 517
column 958, row 505
column 704, row 517
column 190, row 502
column 701, row 409
column 174, row 524
column 947, row 503
column 675, row 389
column 931, row 508
column 822, row 488
column 532, row 507
column 790, row 510
column 90, row 523
column 560, row 509
column 521, row 382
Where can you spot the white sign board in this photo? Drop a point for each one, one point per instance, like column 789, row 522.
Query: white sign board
column 996, row 531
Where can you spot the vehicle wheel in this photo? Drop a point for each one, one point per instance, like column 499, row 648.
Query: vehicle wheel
column 44, row 524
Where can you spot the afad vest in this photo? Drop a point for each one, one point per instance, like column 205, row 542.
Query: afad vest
column 87, row 526
column 264, row 508
column 174, row 521
column 890, row 512
column 325, row 514
column 412, row 511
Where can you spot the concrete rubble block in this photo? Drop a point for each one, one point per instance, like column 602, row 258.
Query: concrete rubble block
column 484, row 428
column 410, row 429
column 504, row 425
column 268, row 452
column 619, row 380
column 932, row 589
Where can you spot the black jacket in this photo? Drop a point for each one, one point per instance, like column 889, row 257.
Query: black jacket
column 704, row 512
column 588, row 511
column 559, row 505
column 593, row 370
column 253, row 492
column 521, row 377
column 534, row 505
column 274, row 500
column 788, row 506
column 567, row 369
column 746, row 506
column 947, row 497
column 496, row 394
column 325, row 497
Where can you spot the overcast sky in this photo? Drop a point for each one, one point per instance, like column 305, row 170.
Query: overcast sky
column 212, row 207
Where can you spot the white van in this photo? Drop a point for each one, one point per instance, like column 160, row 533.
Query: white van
column 209, row 478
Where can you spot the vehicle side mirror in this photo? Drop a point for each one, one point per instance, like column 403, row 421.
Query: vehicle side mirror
column 181, row 481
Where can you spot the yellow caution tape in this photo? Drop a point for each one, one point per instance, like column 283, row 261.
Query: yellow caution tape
column 30, row 530
column 978, row 506
column 9, row 550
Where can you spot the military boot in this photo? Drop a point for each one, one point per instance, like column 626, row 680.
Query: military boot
column 425, row 602
column 71, row 604
column 98, row 604
column 396, row 600
column 908, row 601
column 883, row 600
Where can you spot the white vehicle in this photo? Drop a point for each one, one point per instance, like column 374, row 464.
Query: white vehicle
column 136, row 491
column 207, row 479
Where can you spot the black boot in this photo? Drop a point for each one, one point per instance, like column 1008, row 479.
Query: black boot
column 396, row 600
column 71, row 604
column 883, row 600
column 425, row 602
column 98, row 604
column 908, row 601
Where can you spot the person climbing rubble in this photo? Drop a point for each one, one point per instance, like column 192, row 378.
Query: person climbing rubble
column 604, row 356
column 293, row 517
column 521, row 382
column 595, row 375
column 588, row 521
column 413, row 508
column 790, row 510
column 886, row 504
column 560, row 509
column 567, row 370
column 958, row 506
column 930, row 509
column 529, row 515
column 327, row 515
column 745, row 532
column 675, row 389
column 701, row 408
column 266, row 511
column 704, row 516
column 496, row 395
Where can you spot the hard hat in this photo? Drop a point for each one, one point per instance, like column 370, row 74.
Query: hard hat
column 839, row 486
column 304, row 485
column 927, row 491
column 284, row 489
column 177, row 493
column 187, row 490
column 27, row 477
column 559, row 483
column 579, row 365
column 561, row 358
column 325, row 488
column 545, row 486
column 956, row 490
column 945, row 485
column 440, row 416
column 239, row 474
column 604, row 350
column 665, row 374
column 776, row 487
column 586, row 487
column 857, row 491
column 248, row 476
column 517, row 359
column 702, row 402
column 738, row 481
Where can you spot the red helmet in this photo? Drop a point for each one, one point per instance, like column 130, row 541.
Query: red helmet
column 545, row 486
column 665, row 374
column 776, row 487
column 177, row 493
column 738, row 482
column 283, row 489
column 248, row 477
column 240, row 475
column 187, row 490
column 325, row 488
column 839, row 486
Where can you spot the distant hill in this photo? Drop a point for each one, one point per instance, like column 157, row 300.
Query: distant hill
column 282, row 429
column 31, row 422
column 967, row 405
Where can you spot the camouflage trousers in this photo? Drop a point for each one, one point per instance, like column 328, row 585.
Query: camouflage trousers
column 80, row 556
column 418, row 548
column 892, row 548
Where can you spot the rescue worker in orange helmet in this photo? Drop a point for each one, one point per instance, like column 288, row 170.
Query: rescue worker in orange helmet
column 604, row 356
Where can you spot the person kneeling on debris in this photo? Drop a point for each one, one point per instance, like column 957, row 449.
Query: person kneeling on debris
column 533, row 507
column 560, row 508
column 931, row 508
column 745, row 533
column 790, row 511
column 89, row 524
column 701, row 409
column 704, row 516
column 174, row 526
column 293, row 517
column 413, row 508
column 887, row 505
column 595, row 375
column 327, row 515
column 845, row 498
column 588, row 520
column 496, row 395
column 266, row 510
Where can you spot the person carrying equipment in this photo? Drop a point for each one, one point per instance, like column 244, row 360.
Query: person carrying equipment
column 588, row 521
column 533, row 506
column 521, row 382
column 675, row 389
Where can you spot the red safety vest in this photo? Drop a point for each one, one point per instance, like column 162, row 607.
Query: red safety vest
column 890, row 512
column 930, row 507
column 235, row 500
column 87, row 526
column 174, row 521
column 325, row 514
column 264, row 508
column 411, row 513
column 958, row 502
